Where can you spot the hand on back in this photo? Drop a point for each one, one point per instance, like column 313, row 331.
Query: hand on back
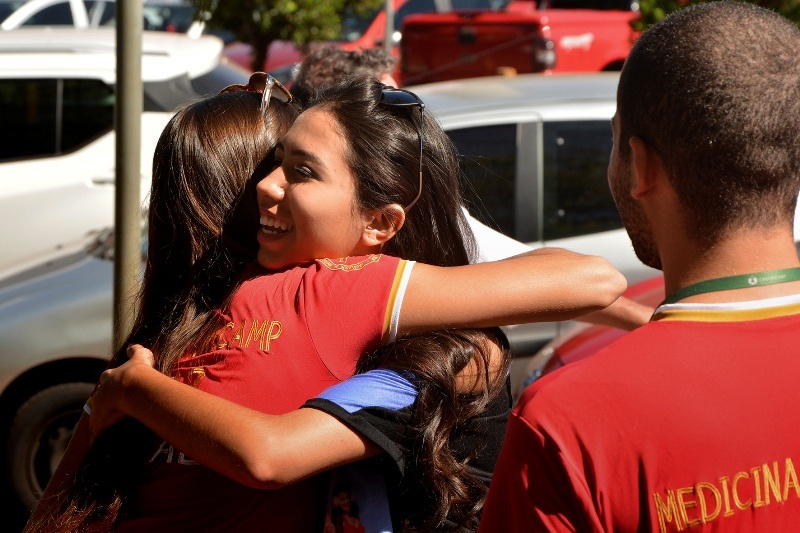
column 107, row 397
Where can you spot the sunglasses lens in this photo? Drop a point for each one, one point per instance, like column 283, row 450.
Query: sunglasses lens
column 402, row 98
column 398, row 97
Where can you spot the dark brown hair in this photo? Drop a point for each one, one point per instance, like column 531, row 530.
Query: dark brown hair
column 713, row 88
column 202, row 222
column 383, row 155
column 327, row 64
column 440, row 411
column 203, row 216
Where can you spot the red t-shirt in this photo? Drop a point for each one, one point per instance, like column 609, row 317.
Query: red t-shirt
column 288, row 336
column 292, row 334
column 688, row 423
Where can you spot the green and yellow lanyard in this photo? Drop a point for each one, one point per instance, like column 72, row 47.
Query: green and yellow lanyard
column 743, row 281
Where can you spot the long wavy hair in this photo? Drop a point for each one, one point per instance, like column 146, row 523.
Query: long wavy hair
column 440, row 413
column 383, row 156
column 202, row 223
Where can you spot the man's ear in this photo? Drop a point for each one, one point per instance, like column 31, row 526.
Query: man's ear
column 382, row 224
column 647, row 167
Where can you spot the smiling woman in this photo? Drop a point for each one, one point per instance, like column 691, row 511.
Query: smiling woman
column 307, row 203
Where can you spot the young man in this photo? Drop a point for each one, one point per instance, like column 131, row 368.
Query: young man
column 689, row 422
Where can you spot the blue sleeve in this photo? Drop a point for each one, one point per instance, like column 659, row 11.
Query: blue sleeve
column 377, row 404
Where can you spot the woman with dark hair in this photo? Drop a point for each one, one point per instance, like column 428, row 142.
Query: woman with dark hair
column 359, row 176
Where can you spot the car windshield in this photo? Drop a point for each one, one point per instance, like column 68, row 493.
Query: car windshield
column 166, row 16
column 6, row 8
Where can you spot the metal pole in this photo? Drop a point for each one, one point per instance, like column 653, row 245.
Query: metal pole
column 128, row 116
column 388, row 39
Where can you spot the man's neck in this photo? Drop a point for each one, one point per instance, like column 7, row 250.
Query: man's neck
column 743, row 252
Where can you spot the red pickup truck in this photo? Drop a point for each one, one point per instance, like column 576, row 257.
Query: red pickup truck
column 480, row 38
column 550, row 37
column 359, row 32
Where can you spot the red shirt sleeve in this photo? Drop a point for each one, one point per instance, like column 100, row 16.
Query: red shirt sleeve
column 347, row 306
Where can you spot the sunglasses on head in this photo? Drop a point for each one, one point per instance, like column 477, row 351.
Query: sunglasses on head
column 393, row 97
column 261, row 82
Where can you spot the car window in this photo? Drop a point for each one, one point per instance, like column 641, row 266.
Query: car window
column 51, row 116
column 488, row 162
column 355, row 23
column 577, row 200
column 101, row 13
column 168, row 17
column 412, row 7
column 6, row 8
column 167, row 95
column 56, row 15
column 220, row 76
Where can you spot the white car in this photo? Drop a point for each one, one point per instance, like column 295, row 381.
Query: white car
column 159, row 15
column 57, row 140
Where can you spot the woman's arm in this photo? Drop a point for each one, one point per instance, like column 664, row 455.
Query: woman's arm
column 543, row 285
column 623, row 313
column 253, row 448
column 493, row 245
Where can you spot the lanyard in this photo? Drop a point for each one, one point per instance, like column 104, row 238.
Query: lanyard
column 743, row 281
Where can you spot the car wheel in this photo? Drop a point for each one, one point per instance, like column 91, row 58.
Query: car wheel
column 39, row 436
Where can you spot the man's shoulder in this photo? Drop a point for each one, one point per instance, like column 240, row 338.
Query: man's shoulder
column 605, row 370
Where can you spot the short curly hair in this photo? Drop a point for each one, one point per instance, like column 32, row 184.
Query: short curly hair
column 713, row 88
column 326, row 65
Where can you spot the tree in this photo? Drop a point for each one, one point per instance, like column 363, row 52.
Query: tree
column 654, row 10
column 260, row 22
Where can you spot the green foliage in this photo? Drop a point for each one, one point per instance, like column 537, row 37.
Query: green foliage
column 260, row 22
column 654, row 10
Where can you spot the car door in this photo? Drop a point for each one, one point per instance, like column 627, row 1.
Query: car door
column 541, row 178
column 499, row 161
column 57, row 165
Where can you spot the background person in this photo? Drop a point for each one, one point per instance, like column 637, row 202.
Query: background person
column 326, row 65
column 687, row 423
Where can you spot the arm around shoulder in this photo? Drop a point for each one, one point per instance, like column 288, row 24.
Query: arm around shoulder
column 547, row 284
column 256, row 449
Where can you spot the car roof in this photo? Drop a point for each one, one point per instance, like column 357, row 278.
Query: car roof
column 495, row 96
column 59, row 52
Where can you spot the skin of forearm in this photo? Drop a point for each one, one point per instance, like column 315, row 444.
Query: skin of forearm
column 548, row 284
column 474, row 377
column 623, row 313
column 253, row 448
